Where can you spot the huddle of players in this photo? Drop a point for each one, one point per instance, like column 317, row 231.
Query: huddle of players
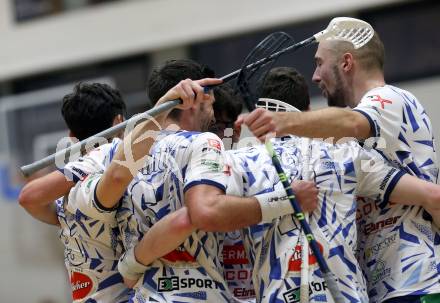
column 192, row 189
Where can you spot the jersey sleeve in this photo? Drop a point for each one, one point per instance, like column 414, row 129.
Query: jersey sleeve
column 95, row 161
column 207, row 163
column 82, row 198
column 376, row 178
column 383, row 109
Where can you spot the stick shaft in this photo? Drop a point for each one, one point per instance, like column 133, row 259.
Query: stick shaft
column 328, row 276
column 298, row 211
column 28, row 170
column 273, row 56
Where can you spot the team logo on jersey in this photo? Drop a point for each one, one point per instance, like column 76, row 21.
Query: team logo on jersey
column 234, row 254
column 292, row 296
column 238, row 275
column 166, row 284
column 375, row 249
column 378, row 98
column 215, row 144
column 372, row 228
column 212, row 165
column 380, row 272
column 364, row 207
column 295, row 260
column 244, row 293
column 81, row 173
column 82, row 285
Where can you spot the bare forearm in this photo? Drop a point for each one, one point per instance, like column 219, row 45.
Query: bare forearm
column 411, row 190
column 229, row 213
column 37, row 197
column 165, row 236
column 44, row 190
column 325, row 123
column 432, row 205
column 211, row 210
column 44, row 213
column 130, row 157
column 414, row 191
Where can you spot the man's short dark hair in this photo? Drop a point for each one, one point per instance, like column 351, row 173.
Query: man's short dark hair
column 168, row 75
column 227, row 102
column 91, row 108
column 288, row 85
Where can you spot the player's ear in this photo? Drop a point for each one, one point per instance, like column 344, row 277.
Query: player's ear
column 118, row 119
column 347, row 62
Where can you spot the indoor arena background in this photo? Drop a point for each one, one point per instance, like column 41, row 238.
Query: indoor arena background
column 46, row 46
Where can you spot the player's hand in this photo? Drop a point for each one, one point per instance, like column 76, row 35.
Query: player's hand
column 190, row 92
column 130, row 283
column 260, row 122
column 306, row 193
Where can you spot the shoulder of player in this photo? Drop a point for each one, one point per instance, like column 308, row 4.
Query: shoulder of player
column 388, row 95
column 184, row 143
column 207, row 139
column 179, row 136
column 341, row 152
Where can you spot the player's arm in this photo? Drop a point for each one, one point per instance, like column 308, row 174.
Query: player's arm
column 154, row 244
column 132, row 153
column 411, row 190
column 211, row 210
column 324, row 123
column 206, row 184
column 37, row 197
column 378, row 180
column 162, row 238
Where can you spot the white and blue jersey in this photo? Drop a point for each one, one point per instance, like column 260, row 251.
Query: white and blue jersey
column 275, row 249
column 237, row 267
column 399, row 245
column 90, row 234
column 194, row 271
